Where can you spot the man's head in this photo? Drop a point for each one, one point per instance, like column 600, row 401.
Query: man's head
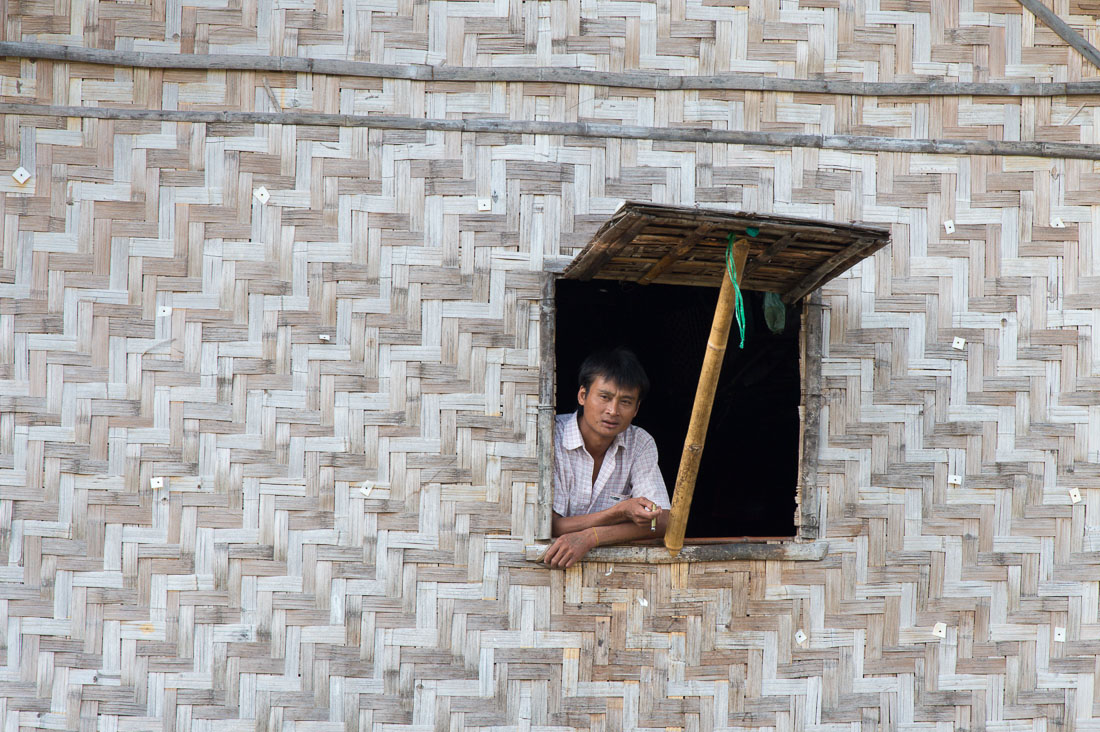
column 612, row 385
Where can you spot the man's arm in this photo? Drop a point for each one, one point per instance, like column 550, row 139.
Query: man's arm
column 630, row 531
column 637, row 510
column 627, row 521
column 568, row 524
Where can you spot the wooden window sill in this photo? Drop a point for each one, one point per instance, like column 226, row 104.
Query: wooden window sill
column 704, row 550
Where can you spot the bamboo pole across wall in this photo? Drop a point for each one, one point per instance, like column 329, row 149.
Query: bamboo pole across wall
column 849, row 143
column 543, row 74
column 1064, row 30
column 704, row 402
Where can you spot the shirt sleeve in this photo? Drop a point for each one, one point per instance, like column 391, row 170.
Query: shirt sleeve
column 645, row 475
column 561, row 485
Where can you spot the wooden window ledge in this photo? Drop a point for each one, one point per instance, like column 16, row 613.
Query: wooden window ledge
column 787, row 551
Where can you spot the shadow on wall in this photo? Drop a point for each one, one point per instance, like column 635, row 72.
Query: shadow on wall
column 748, row 476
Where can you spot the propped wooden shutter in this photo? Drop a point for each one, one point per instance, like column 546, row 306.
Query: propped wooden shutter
column 681, row 245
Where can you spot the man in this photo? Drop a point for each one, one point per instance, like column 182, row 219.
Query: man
column 607, row 487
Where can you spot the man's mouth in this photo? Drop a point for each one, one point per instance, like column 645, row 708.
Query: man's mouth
column 610, row 425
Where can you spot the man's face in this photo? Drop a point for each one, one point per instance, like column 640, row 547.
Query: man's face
column 608, row 408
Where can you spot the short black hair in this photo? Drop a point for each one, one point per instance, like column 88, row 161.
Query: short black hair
column 619, row 365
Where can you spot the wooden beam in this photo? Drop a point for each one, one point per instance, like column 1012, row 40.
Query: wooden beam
column 786, row 551
column 608, row 243
column 546, row 411
column 769, row 254
column 1048, row 18
column 809, row 496
column 540, row 74
column 850, row 143
column 685, row 246
column 704, row 402
column 821, row 273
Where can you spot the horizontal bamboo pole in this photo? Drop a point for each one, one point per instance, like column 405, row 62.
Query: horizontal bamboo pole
column 704, row 403
column 542, row 74
column 849, row 143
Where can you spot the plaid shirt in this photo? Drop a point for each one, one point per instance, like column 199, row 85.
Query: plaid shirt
column 629, row 469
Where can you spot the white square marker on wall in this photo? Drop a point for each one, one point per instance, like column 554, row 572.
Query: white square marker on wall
column 949, row 226
column 1075, row 495
column 484, row 204
column 1057, row 223
column 156, row 482
column 799, row 637
column 325, row 337
column 958, row 343
column 954, row 480
column 261, row 194
column 1060, row 635
column 21, row 175
column 163, row 310
column 939, row 630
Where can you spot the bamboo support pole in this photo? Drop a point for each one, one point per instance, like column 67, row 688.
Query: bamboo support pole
column 704, row 402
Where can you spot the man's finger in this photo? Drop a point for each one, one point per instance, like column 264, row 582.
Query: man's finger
column 564, row 558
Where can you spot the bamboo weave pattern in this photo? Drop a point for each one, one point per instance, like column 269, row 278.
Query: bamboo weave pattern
column 259, row 589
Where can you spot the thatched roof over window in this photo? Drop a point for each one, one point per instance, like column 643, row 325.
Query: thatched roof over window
column 683, row 245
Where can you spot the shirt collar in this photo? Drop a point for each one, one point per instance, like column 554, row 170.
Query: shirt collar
column 573, row 440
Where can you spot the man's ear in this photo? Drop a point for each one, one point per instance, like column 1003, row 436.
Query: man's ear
column 582, row 394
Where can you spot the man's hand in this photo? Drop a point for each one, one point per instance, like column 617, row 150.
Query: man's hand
column 640, row 511
column 568, row 549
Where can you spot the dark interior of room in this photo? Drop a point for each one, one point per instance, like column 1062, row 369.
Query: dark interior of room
column 747, row 479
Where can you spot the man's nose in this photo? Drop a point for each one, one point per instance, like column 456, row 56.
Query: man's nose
column 613, row 406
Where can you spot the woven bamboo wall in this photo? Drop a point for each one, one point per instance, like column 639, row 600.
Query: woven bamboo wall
column 258, row 589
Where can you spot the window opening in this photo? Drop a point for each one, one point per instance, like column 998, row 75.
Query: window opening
column 645, row 249
column 749, row 472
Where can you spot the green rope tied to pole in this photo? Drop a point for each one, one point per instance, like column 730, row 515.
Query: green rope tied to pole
column 739, row 306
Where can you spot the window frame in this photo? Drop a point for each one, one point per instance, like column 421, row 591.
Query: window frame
column 803, row 546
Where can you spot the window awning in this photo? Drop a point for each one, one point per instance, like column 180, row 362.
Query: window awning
column 684, row 245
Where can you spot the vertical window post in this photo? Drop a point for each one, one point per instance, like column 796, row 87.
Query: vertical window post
column 704, row 401
column 547, row 399
column 809, row 498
